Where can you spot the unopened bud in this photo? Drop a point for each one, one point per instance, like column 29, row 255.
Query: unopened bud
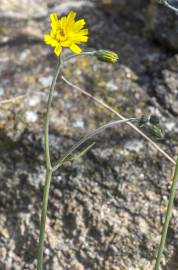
column 154, row 119
column 107, row 56
column 155, row 131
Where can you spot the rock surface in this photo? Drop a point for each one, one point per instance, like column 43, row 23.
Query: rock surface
column 106, row 210
column 162, row 22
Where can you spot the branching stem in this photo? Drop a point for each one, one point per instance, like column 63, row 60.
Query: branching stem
column 50, row 169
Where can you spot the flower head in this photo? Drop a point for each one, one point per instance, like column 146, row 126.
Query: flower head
column 66, row 32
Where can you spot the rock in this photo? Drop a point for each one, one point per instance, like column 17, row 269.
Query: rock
column 134, row 145
column 162, row 22
column 122, row 6
column 31, row 116
column 34, row 100
column 78, row 266
column 23, row 9
column 1, row 91
column 166, row 88
column 46, row 81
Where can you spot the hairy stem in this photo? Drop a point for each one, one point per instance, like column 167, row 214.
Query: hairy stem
column 48, row 171
column 92, row 53
column 171, row 7
column 43, row 219
column 167, row 218
column 166, row 3
column 50, row 97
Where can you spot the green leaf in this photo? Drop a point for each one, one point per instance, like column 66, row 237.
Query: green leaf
column 82, row 153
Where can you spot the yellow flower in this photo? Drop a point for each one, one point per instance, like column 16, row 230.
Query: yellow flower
column 66, row 32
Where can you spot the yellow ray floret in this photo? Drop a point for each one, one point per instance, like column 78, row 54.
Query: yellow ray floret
column 66, row 32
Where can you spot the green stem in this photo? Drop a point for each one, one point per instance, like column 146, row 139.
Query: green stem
column 92, row 53
column 43, row 219
column 48, row 171
column 167, row 218
column 50, row 97
column 171, row 7
column 164, row 2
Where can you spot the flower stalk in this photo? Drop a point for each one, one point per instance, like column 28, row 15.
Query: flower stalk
column 167, row 218
column 47, row 154
column 43, row 219
column 48, row 170
column 172, row 4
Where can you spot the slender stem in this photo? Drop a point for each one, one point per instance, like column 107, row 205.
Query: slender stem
column 167, row 218
column 164, row 2
column 88, row 136
column 77, row 55
column 50, row 96
column 43, row 219
column 109, row 108
column 48, row 170
column 171, row 7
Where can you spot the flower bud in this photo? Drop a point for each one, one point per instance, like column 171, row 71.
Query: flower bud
column 154, row 131
column 107, row 56
column 154, row 119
